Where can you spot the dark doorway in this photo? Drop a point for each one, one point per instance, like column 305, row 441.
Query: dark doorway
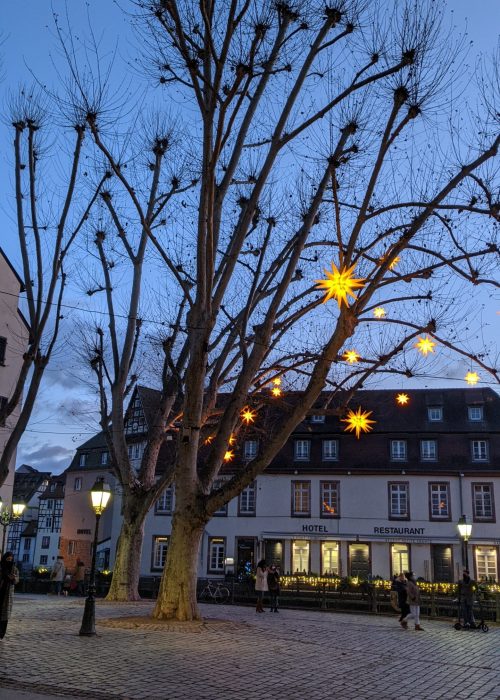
column 442, row 563
column 273, row 553
column 359, row 560
column 245, row 556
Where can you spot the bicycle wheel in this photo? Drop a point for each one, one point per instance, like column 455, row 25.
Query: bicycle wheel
column 205, row 594
column 221, row 595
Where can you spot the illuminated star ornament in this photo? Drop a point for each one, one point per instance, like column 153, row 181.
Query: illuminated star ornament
column 402, row 399
column 277, row 381
column 276, row 391
column 379, row 312
column 229, row 455
column 425, row 345
column 358, row 421
column 394, row 262
column 232, row 439
column 351, row 356
column 472, row 378
column 340, row 284
column 248, row 415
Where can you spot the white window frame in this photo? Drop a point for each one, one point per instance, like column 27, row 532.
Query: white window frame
column 301, row 499
column 301, row 450
column 104, row 457
column 479, row 450
column 82, row 462
column 428, row 450
column 486, row 562
column 439, row 492
column 250, row 449
column 400, row 558
column 301, row 551
column 44, row 559
column 435, row 414
column 330, row 450
column 475, row 413
column 330, row 558
column 77, row 484
column 45, row 544
column 399, row 450
column 399, row 495
column 216, row 555
column 159, row 553
column 315, row 418
column 483, row 502
column 165, row 503
column 330, row 499
column 247, row 500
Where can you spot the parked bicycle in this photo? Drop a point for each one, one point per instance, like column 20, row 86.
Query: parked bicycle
column 215, row 593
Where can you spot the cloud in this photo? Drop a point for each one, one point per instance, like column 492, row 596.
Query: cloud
column 46, row 457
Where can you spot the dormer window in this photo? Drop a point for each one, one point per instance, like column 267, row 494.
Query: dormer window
column 435, row 413
column 317, row 419
column 475, row 413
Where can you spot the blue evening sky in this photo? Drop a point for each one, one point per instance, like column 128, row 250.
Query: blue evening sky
column 65, row 413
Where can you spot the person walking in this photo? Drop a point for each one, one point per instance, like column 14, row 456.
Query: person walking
column 273, row 584
column 260, row 584
column 57, row 575
column 466, row 594
column 79, row 577
column 9, row 576
column 414, row 600
column 400, row 586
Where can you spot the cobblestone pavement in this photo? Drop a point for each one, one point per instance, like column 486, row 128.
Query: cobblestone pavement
column 240, row 655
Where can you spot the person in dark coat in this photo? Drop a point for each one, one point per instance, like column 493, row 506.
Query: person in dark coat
column 9, row 576
column 273, row 584
column 400, row 586
column 466, row 595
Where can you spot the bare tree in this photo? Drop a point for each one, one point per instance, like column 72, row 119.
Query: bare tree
column 313, row 138
column 47, row 226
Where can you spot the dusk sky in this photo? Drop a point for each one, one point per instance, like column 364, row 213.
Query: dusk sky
column 65, row 415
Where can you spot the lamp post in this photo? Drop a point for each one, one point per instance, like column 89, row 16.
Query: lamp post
column 100, row 494
column 464, row 530
column 7, row 517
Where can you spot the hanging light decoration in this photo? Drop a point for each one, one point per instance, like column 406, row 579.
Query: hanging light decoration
column 232, row 439
column 248, row 415
column 472, row 378
column 402, row 399
column 379, row 312
column 340, row 284
column 425, row 345
column 394, row 262
column 229, row 455
column 209, row 440
column 276, row 391
column 358, row 421
column 277, row 381
column 351, row 356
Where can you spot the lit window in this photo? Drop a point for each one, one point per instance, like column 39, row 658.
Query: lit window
column 216, row 554
column 329, row 558
column 247, row 500
column 475, row 413
column 398, row 500
column 250, row 449
column 440, row 501
column 400, row 558
column 435, row 413
column 329, row 499
column 398, row 450
column 486, row 563
column 300, row 556
column 302, row 449
column 330, row 450
column 164, row 505
column 428, row 450
column 301, row 498
column 479, row 450
column 160, row 547
column 482, row 495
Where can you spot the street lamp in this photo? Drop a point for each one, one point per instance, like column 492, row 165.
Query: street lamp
column 464, row 530
column 100, row 494
column 7, row 517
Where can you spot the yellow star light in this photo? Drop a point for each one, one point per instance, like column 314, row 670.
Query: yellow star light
column 248, row 415
column 209, row 440
column 358, row 421
column 277, row 381
column 394, row 262
column 402, row 399
column 379, row 312
column 229, row 456
column 425, row 345
column 340, row 284
column 276, row 391
column 232, row 439
column 472, row 378
column 351, row 356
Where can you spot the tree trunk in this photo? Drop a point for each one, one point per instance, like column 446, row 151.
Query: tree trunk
column 177, row 594
column 125, row 581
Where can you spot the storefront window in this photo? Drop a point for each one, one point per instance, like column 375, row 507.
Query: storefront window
column 300, row 556
column 486, row 563
column 400, row 558
column 330, row 558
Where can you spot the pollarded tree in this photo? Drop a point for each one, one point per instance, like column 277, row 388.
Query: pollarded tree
column 313, row 132
column 50, row 216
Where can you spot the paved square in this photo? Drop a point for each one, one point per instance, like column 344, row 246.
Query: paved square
column 240, row 655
